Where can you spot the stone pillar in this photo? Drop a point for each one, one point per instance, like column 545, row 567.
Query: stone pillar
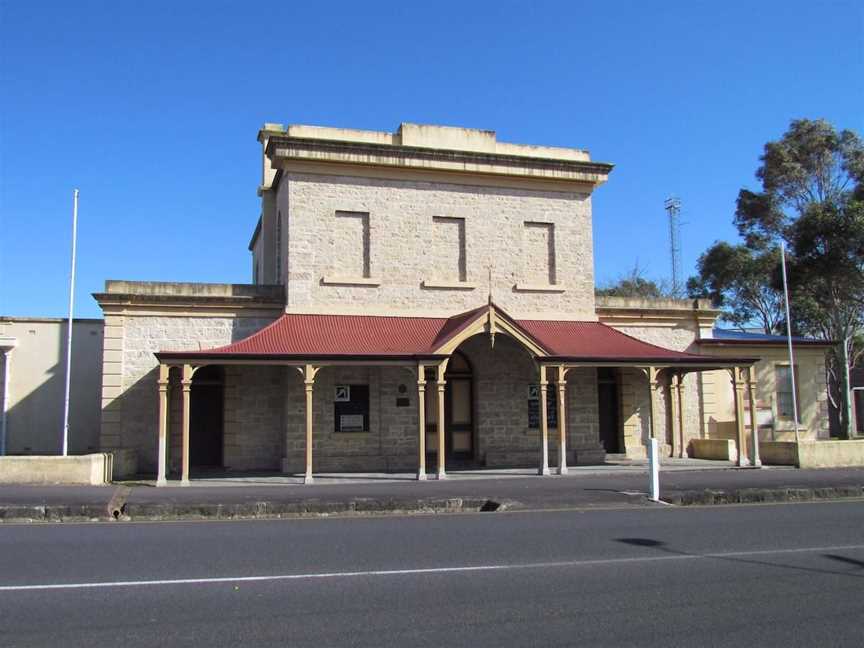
column 754, row 419
column 441, row 384
column 162, row 458
column 738, row 388
column 562, row 420
column 421, row 421
column 544, row 424
column 309, row 372
column 186, row 385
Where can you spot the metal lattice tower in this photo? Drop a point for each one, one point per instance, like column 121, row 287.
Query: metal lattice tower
column 673, row 209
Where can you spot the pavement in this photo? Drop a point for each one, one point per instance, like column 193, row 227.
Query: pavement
column 777, row 575
column 262, row 496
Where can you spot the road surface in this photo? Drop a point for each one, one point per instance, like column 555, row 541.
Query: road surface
column 784, row 575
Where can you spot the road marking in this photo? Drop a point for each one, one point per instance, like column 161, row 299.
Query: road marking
column 421, row 570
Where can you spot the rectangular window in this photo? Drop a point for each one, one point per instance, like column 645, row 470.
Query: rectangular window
column 350, row 240
column 449, row 237
column 351, row 408
column 539, row 253
column 534, row 407
column 783, row 380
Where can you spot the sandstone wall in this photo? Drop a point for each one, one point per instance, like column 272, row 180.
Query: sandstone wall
column 523, row 235
column 130, row 398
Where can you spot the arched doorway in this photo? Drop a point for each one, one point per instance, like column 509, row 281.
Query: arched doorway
column 458, row 411
column 206, row 418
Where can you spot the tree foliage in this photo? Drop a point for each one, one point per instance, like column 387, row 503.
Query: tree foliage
column 811, row 198
column 634, row 284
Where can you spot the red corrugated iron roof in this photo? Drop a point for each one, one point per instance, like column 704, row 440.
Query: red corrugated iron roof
column 296, row 335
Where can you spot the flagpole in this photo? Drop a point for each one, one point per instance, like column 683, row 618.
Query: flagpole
column 69, row 324
column 789, row 340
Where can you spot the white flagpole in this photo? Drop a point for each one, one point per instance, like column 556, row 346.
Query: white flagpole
column 69, row 325
column 789, row 340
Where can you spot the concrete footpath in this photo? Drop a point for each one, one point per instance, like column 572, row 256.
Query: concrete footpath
column 268, row 497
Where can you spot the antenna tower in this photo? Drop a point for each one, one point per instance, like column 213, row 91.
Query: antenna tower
column 673, row 209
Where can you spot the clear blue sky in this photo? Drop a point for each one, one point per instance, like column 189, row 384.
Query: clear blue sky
column 152, row 109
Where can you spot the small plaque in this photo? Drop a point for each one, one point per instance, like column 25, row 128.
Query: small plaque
column 402, row 402
column 343, row 394
column 351, row 423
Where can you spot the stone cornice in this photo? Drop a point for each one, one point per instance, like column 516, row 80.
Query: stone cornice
column 166, row 297
column 283, row 149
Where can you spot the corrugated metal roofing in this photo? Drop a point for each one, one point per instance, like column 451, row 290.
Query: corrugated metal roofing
column 730, row 335
column 309, row 335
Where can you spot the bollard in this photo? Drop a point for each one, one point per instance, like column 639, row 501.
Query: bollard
column 653, row 471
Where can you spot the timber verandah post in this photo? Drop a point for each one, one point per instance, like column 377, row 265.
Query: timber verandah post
column 562, row 419
column 308, row 372
column 421, row 421
column 544, row 424
column 441, row 384
column 186, row 385
column 652, row 373
column 163, row 383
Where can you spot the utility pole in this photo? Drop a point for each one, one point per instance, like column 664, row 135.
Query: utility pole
column 69, row 325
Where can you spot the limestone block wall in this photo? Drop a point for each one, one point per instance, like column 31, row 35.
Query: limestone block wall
column 407, row 250
column 634, row 392
column 390, row 443
column 129, row 390
column 253, row 417
column 502, row 376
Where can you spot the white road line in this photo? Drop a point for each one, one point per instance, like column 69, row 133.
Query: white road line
column 419, row 571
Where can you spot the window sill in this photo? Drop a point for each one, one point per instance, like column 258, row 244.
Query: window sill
column 447, row 285
column 349, row 281
column 541, row 288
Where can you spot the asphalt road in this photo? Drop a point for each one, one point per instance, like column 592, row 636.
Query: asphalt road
column 784, row 575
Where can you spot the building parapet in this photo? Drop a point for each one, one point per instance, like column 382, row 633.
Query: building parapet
column 427, row 148
column 173, row 295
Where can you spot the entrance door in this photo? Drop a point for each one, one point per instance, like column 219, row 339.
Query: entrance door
column 607, row 397
column 205, row 418
column 459, row 422
column 458, row 411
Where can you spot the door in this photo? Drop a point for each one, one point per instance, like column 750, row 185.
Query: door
column 458, row 410
column 205, row 418
column 459, row 421
column 607, row 402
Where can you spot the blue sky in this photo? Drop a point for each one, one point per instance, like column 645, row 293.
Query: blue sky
column 152, row 109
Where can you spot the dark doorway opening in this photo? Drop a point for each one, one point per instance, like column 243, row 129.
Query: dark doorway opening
column 206, row 417
column 458, row 413
column 607, row 397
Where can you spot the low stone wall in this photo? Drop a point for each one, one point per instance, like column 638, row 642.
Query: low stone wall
column 830, row 454
column 718, row 449
column 778, row 453
column 91, row 469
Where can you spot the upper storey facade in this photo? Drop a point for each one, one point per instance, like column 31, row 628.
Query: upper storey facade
column 425, row 221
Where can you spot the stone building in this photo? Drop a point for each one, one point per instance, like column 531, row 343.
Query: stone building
column 421, row 301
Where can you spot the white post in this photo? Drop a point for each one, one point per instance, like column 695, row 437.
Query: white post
column 653, row 471
column 5, row 354
column 789, row 340
column 69, row 326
